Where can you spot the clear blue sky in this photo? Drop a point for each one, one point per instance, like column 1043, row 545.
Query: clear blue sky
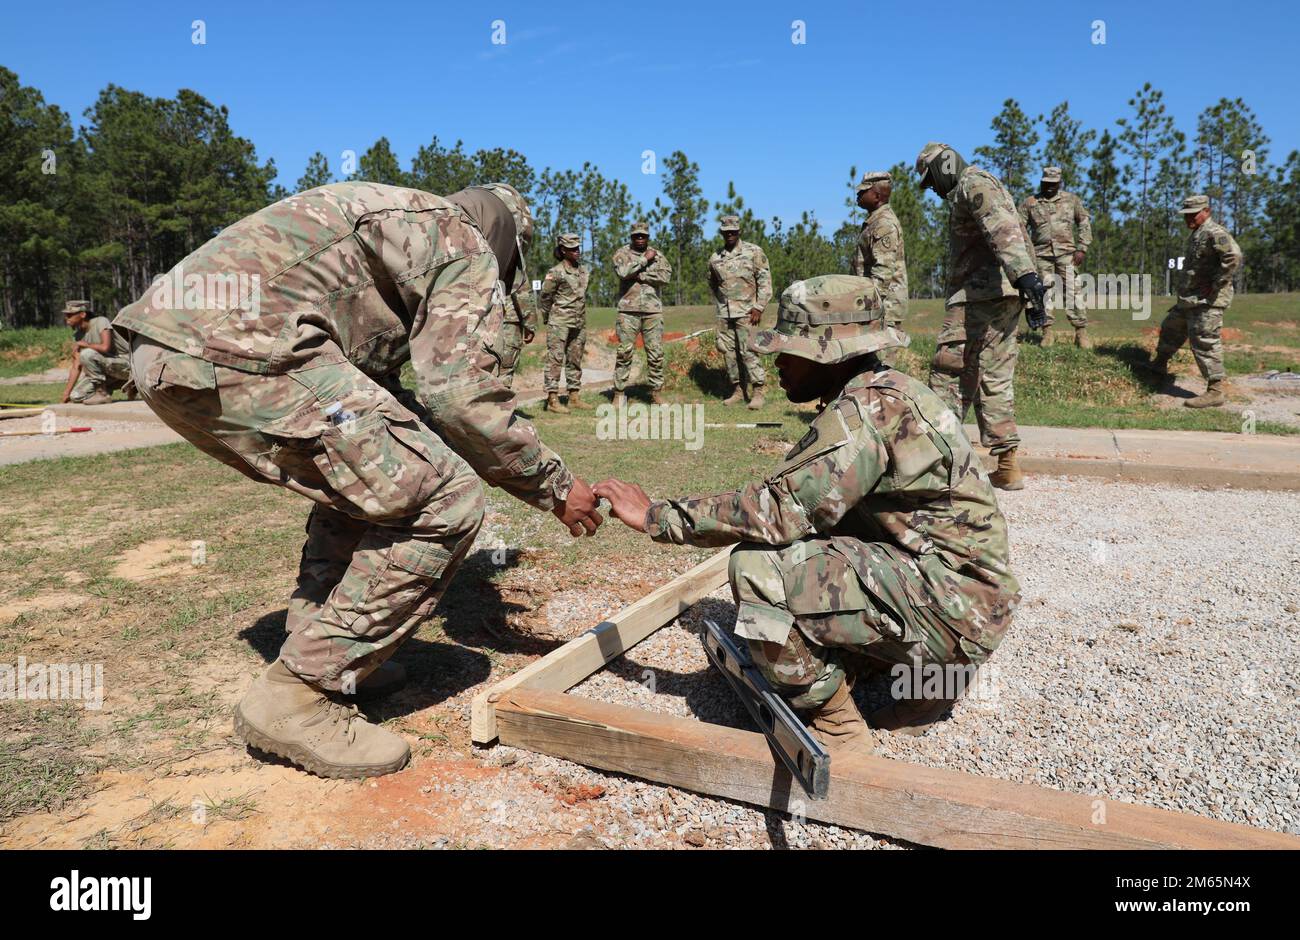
column 604, row 81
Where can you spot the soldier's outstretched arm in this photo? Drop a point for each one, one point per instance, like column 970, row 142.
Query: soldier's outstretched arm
column 469, row 406
column 810, row 492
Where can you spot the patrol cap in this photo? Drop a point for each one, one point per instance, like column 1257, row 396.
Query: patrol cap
column 828, row 319
column 872, row 177
column 927, row 155
column 1194, row 204
column 1051, row 174
column 729, row 223
column 639, row 227
column 76, row 306
column 568, row 240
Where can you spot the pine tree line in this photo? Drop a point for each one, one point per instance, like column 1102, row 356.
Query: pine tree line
column 98, row 212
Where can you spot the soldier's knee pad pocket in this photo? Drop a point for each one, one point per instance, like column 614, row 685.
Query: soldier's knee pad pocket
column 384, row 468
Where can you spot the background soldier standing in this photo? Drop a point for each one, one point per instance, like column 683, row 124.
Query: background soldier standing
column 564, row 311
column 300, row 389
column 518, row 327
column 989, row 270
column 841, row 554
column 741, row 282
column 99, row 357
column 880, row 254
column 642, row 272
column 1050, row 218
column 1212, row 257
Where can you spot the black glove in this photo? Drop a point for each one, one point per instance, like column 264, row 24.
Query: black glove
column 1032, row 292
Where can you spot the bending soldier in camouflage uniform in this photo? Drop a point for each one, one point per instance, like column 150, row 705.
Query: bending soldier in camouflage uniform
column 100, row 357
column 297, row 385
column 880, row 255
column 989, row 270
column 1050, row 218
column 1212, row 257
column 741, row 283
column 564, row 311
column 642, row 272
column 878, row 536
column 518, row 327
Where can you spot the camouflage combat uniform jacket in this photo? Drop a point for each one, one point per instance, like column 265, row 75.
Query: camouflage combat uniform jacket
column 1051, row 224
column 563, row 300
column 740, row 279
column 1211, row 258
column 880, row 256
column 639, row 280
column 988, row 247
column 369, row 275
column 885, row 462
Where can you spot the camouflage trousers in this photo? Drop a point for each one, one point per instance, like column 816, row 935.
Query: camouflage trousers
column 822, row 608
column 889, row 355
column 733, row 342
column 1059, row 278
column 651, row 328
column 564, row 348
column 396, row 509
column 975, row 364
column 98, row 371
column 510, row 344
column 1200, row 327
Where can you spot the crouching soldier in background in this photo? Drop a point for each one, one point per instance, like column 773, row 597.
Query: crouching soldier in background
column 99, row 357
column 296, row 385
column 879, row 535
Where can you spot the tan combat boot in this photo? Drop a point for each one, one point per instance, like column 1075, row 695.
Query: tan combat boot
column 283, row 715
column 98, row 397
column 553, row 404
column 838, row 724
column 1047, row 338
column 576, row 403
column 620, row 400
column 655, row 397
column 736, row 397
column 1008, row 476
column 910, row 716
column 1081, row 338
column 1158, row 366
column 756, row 399
column 1213, row 397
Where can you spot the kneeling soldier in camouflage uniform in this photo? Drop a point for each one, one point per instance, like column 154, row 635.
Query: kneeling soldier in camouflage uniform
column 99, row 361
column 297, row 385
column 1204, row 293
column 741, row 283
column 564, row 311
column 879, row 535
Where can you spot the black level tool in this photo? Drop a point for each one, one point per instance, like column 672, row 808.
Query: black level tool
column 801, row 753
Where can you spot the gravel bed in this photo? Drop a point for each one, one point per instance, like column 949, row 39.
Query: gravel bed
column 1155, row 659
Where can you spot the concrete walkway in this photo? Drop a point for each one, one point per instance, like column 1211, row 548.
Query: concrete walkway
column 1188, row 458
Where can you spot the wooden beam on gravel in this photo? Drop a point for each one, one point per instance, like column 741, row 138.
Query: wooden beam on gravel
column 923, row 805
column 568, row 665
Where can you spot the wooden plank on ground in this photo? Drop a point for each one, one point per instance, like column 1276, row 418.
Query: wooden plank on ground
column 927, row 806
column 565, row 667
